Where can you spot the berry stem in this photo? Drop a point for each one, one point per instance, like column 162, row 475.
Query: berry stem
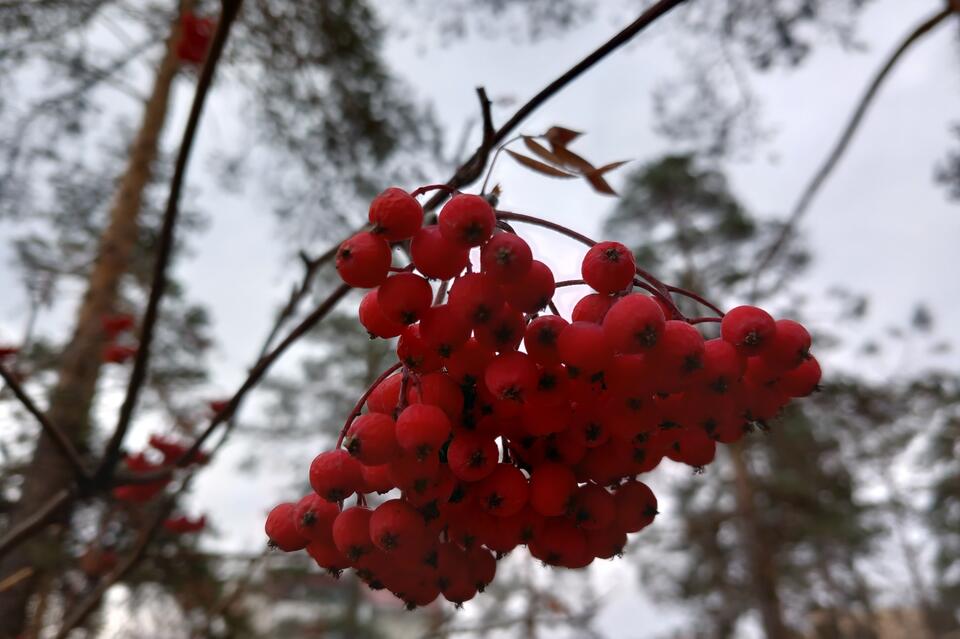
column 434, row 187
column 704, row 320
column 696, row 298
column 563, row 283
column 363, row 399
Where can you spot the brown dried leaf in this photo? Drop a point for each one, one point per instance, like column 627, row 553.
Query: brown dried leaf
column 540, row 150
column 606, row 168
column 571, row 160
column 559, row 136
column 538, row 166
column 598, row 183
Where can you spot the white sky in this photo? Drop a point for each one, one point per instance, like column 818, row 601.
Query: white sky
column 880, row 226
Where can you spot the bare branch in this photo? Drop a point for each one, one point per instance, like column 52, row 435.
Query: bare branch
column 230, row 8
column 36, row 521
column 60, row 440
column 808, row 194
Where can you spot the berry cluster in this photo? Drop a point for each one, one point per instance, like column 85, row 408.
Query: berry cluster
column 196, row 34
column 500, row 426
column 118, row 329
column 170, row 451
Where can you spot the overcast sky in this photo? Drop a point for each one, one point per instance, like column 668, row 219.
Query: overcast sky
column 880, row 226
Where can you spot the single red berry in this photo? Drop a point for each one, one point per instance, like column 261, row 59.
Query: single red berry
column 437, row 257
column 468, row 362
column 559, row 543
column 511, row 376
column 694, row 448
column 592, row 308
column 327, row 556
column 606, row 543
column 335, row 475
column 363, row 261
column 376, row 479
column 313, row 517
column 372, row 439
column 373, row 319
column 504, row 491
column 385, row 397
column 117, row 323
column 395, row 214
column 636, row 506
column 472, row 457
column 503, row 332
column 634, row 324
column 415, row 353
column 477, row 297
column 483, row 566
column 506, row 257
column 422, row 429
column 281, row 528
column 118, row 353
column 803, row 379
column 351, row 533
column 531, row 291
column 748, row 328
column 396, row 526
column 405, row 297
column 593, row 507
column 552, row 486
column 583, row 346
column 453, row 574
column 789, row 347
column 541, row 338
column 608, row 267
column 723, row 366
column 679, row 355
column 467, row 220
column 414, row 475
column 444, row 329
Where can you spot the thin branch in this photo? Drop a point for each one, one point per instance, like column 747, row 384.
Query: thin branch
column 138, row 376
column 808, row 194
column 36, row 521
column 60, row 440
column 358, row 407
column 473, row 168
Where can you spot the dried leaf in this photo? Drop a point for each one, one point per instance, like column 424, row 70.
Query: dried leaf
column 598, row 183
column 540, row 150
column 560, row 137
column 538, row 166
column 571, row 160
column 606, row 168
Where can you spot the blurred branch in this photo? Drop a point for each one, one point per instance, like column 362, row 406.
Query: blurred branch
column 60, row 440
column 229, row 11
column 808, row 194
column 35, row 522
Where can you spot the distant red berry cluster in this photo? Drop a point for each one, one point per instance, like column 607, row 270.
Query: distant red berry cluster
column 196, row 32
column 484, row 447
column 115, row 327
column 170, row 452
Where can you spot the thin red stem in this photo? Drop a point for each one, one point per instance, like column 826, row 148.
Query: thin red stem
column 563, row 283
column 434, row 187
column 703, row 320
column 696, row 298
column 363, row 400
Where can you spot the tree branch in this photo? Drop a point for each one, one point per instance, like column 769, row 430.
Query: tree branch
column 36, row 521
column 60, row 440
column 229, row 11
column 813, row 187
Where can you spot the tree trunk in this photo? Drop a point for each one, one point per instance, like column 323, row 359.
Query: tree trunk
column 79, row 366
column 761, row 559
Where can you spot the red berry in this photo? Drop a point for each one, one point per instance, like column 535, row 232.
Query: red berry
column 444, row 329
column 363, row 261
column 373, row 319
column 372, row 439
column 468, row 362
column 351, row 533
column 583, row 346
column 385, row 397
column 415, row 353
column 679, row 355
column 789, row 347
column 505, row 257
column 313, row 518
column 422, row 429
column 405, row 297
column 327, row 556
column 723, row 366
column 748, row 328
column 437, row 389
column 376, row 479
column 552, row 486
column 606, row 543
column 541, row 337
column 396, row 526
column 803, row 379
column 634, row 324
column 511, row 376
column 395, row 214
column 531, row 291
column 592, row 308
column 281, row 528
column 636, row 506
column 608, row 267
column 335, row 475
column 503, row 332
column 594, row 508
column 437, row 257
column 559, row 543
column 467, row 220
column 504, row 491
column 412, row 474
column 472, row 457
column 483, row 566
column 477, row 297
column 453, row 574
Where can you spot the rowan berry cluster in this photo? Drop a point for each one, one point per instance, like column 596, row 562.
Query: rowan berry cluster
column 170, row 451
column 501, row 426
column 117, row 330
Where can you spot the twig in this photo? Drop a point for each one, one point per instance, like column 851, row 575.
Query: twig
column 158, row 287
column 36, row 521
column 60, row 440
column 813, row 187
column 358, row 407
